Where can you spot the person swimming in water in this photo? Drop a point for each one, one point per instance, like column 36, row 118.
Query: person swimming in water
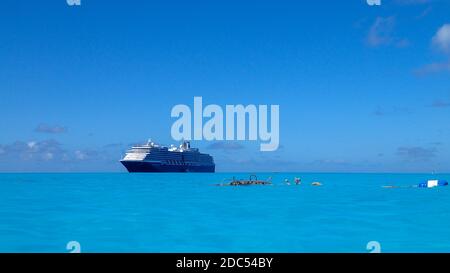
column 286, row 181
column 298, row 181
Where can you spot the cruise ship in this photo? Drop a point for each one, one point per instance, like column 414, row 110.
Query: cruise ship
column 152, row 157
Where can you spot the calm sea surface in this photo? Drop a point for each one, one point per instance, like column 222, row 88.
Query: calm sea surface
column 186, row 213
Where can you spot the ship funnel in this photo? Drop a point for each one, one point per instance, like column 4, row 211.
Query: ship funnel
column 186, row 145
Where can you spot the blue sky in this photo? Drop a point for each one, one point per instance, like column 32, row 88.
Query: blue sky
column 360, row 88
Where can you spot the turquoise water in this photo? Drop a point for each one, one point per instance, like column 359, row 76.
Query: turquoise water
column 187, row 213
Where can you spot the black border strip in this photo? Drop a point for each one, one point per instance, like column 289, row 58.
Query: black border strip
column 152, row 262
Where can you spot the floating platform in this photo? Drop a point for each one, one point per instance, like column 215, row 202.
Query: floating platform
column 253, row 180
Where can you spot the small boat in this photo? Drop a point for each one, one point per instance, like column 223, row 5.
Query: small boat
column 433, row 183
column 425, row 184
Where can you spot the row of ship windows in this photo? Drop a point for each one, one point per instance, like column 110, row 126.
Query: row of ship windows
column 161, row 157
column 200, row 158
column 168, row 156
column 167, row 152
column 177, row 162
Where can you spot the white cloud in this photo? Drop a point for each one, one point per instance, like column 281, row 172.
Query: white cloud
column 44, row 128
column 417, row 153
column 225, row 146
column 47, row 156
column 441, row 42
column 441, row 39
column 50, row 155
column 412, row 2
column 32, row 150
column 433, row 68
column 88, row 154
column 381, row 33
column 80, row 155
